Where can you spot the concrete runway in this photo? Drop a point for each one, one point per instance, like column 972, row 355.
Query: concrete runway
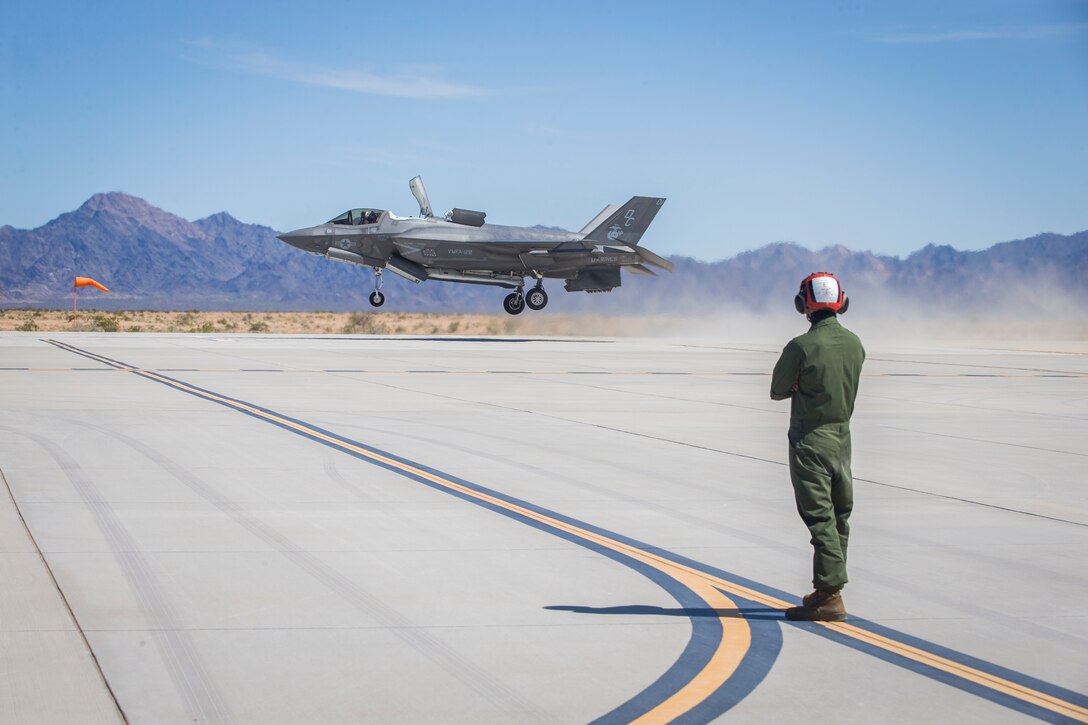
column 262, row 529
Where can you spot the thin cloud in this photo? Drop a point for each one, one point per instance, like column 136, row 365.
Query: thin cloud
column 409, row 82
column 1039, row 32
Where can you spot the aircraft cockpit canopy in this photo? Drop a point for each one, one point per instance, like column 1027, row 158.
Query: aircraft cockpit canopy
column 357, row 217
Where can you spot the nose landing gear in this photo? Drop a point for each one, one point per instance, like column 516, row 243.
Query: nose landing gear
column 377, row 299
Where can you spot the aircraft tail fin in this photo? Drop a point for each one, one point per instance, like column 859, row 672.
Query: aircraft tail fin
column 597, row 220
column 627, row 223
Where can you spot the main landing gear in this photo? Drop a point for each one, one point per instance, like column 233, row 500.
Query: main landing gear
column 516, row 302
column 377, row 299
column 537, row 298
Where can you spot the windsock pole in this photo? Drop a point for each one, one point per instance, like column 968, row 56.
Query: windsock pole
column 73, row 301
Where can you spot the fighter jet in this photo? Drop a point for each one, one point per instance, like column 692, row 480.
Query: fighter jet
column 461, row 248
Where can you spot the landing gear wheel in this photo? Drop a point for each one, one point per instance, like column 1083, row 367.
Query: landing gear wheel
column 514, row 303
column 536, row 299
column 377, row 299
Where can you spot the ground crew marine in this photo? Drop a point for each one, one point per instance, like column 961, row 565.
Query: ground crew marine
column 819, row 372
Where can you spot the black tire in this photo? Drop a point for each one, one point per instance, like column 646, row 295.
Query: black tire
column 514, row 303
column 536, row 298
column 377, row 299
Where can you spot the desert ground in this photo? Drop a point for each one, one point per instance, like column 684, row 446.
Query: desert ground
column 905, row 327
column 342, row 323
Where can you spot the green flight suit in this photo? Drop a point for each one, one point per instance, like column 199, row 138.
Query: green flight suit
column 819, row 371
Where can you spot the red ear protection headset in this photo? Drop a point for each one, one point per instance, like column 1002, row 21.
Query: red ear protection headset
column 820, row 291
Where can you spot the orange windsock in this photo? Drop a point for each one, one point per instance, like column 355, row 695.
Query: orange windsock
column 88, row 282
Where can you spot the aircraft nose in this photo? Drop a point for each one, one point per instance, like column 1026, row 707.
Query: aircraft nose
column 299, row 238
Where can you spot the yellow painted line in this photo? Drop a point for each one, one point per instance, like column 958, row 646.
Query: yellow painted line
column 971, row 674
column 736, row 634
column 993, row 682
column 732, row 647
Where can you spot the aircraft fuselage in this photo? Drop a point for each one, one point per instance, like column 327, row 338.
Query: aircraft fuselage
column 438, row 243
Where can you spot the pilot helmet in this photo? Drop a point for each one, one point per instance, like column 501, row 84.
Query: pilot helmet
column 821, row 291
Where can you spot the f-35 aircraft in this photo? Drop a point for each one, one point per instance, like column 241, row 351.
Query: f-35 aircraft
column 462, row 248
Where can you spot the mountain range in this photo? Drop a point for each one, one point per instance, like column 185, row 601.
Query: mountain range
column 152, row 259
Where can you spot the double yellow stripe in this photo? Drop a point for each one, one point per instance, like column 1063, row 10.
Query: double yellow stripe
column 929, row 659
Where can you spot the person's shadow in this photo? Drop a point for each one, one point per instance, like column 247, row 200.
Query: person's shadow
column 689, row 612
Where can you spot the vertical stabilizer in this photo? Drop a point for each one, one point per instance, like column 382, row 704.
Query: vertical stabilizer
column 627, row 224
column 597, row 220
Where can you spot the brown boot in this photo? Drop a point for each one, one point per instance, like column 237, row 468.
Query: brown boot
column 808, row 597
column 820, row 606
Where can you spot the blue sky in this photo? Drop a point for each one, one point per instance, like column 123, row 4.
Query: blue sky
column 878, row 125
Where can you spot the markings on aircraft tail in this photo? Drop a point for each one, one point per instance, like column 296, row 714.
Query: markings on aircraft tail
column 722, row 663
